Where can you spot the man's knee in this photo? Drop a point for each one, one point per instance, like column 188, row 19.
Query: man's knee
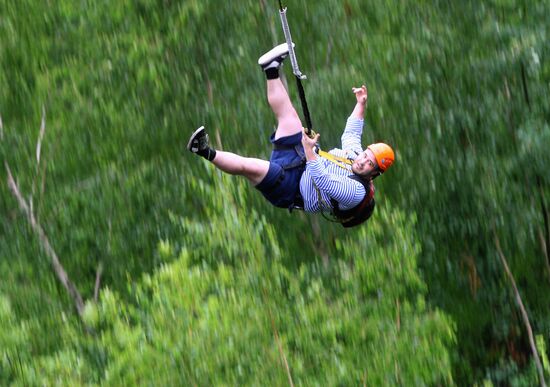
column 289, row 126
column 256, row 170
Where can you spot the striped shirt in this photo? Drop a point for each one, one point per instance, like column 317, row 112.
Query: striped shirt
column 323, row 180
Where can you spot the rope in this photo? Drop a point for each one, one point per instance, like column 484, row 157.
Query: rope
column 286, row 30
column 295, row 69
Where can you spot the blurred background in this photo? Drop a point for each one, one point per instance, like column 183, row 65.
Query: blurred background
column 185, row 276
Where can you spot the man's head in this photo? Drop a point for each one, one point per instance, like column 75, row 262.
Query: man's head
column 375, row 160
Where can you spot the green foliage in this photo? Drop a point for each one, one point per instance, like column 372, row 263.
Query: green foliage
column 458, row 88
column 239, row 318
column 541, row 348
column 13, row 339
column 220, row 318
column 342, row 323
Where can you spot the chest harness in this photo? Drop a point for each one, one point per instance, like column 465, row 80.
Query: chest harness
column 361, row 212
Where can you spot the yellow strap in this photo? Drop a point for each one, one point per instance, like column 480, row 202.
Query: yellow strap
column 342, row 162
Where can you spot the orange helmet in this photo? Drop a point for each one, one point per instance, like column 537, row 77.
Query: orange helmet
column 384, row 155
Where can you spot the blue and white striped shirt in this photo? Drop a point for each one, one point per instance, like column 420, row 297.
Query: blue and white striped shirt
column 331, row 180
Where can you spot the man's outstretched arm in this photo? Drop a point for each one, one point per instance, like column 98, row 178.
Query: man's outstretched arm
column 361, row 96
column 351, row 138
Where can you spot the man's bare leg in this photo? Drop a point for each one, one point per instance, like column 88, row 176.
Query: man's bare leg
column 288, row 121
column 253, row 169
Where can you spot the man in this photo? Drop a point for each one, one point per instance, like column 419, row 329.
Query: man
column 296, row 175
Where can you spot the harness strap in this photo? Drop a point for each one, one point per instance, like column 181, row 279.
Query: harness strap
column 297, row 148
column 298, row 203
column 332, row 157
column 296, row 164
column 342, row 162
column 320, row 197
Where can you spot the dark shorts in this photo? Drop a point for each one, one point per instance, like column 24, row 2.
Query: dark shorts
column 281, row 185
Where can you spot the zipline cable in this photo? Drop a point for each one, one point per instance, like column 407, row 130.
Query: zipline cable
column 295, row 69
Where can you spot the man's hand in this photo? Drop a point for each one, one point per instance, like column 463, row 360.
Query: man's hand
column 309, row 145
column 361, row 94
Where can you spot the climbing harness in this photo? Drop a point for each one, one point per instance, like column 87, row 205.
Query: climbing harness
column 356, row 215
column 353, row 216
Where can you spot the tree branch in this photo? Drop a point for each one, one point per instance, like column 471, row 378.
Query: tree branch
column 40, row 136
column 279, row 344
column 523, row 312
column 398, row 315
column 97, row 281
column 524, row 85
column 329, row 50
column 45, row 244
column 281, row 352
column 320, row 239
column 545, row 239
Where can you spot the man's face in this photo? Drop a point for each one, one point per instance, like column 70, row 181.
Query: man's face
column 364, row 164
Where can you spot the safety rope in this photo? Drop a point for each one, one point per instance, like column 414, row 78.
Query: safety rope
column 291, row 53
column 295, row 69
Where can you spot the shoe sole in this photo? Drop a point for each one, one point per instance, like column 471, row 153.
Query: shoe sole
column 193, row 137
column 274, row 53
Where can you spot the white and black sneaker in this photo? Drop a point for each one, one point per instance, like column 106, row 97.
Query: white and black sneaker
column 274, row 58
column 198, row 140
column 198, row 144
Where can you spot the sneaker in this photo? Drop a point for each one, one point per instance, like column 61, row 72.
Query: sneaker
column 198, row 140
column 274, row 57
